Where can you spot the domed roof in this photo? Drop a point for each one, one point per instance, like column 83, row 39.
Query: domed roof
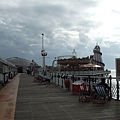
column 97, row 48
column 19, row 61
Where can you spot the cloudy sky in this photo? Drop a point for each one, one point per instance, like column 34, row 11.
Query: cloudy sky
column 66, row 24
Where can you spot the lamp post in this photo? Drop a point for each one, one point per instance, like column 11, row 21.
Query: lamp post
column 43, row 53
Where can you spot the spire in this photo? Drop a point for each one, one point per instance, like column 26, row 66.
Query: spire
column 74, row 53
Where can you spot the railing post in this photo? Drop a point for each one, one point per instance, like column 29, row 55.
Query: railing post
column 73, row 78
column 110, row 86
column 58, row 78
column 55, row 78
column 117, row 90
column 89, row 84
column 89, row 81
column 62, row 79
column 62, row 82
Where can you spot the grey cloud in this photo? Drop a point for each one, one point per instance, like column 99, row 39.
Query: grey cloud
column 21, row 27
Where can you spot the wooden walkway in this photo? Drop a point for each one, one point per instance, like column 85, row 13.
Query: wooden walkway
column 8, row 96
column 42, row 102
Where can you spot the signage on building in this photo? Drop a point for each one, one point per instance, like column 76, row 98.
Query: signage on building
column 118, row 68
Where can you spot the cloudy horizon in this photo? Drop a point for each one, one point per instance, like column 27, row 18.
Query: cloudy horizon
column 67, row 25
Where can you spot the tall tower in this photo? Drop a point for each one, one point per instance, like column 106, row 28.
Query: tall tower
column 97, row 57
column 43, row 53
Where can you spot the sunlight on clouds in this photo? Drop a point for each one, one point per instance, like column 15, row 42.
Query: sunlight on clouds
column 2, row 22
column 27, row 52
column 32, row 45
column 107, row 19
column 66, row 37
column 103, row 12
column 71, row 34
column 11, row 3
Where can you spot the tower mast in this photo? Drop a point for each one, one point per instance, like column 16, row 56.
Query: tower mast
column 43, row 53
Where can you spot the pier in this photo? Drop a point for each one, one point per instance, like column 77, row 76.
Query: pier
column 23, row 99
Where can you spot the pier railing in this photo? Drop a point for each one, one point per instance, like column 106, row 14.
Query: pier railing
column 59, row 78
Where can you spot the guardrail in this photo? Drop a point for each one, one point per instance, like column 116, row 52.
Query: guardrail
column 59, row 78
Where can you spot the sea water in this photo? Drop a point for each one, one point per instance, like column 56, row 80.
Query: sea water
column 114, row 83
column 113, row 73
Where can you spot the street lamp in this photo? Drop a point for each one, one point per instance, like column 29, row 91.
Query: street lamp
column 43, row 53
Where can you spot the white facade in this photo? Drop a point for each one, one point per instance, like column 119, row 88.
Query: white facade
column 97, row 57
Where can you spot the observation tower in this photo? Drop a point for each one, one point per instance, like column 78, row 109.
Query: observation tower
column 43, row 54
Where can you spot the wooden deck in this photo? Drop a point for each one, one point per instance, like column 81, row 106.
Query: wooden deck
column 8, row 96
column 22, row 99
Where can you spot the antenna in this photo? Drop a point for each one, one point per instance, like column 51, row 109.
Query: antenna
column 74, row 53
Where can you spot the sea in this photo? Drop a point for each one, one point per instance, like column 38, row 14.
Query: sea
column 114, row 84
column 113, row 72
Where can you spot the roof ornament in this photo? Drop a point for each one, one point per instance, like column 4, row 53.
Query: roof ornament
column 74, row 53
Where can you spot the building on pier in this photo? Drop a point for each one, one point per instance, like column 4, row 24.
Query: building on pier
column 90, row 65
column 97, row 57
column 72, row 63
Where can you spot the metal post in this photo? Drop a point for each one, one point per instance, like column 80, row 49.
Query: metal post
column 43, row 51
column 117, row 90
column 110, row 86
column 89, row 84
column 55, row 78
column 42, row 42
column 62, row 82
column 58, row 78
column 44, row 63
column 62, row 79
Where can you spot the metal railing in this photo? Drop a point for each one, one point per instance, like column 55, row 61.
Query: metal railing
column 59, row 78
